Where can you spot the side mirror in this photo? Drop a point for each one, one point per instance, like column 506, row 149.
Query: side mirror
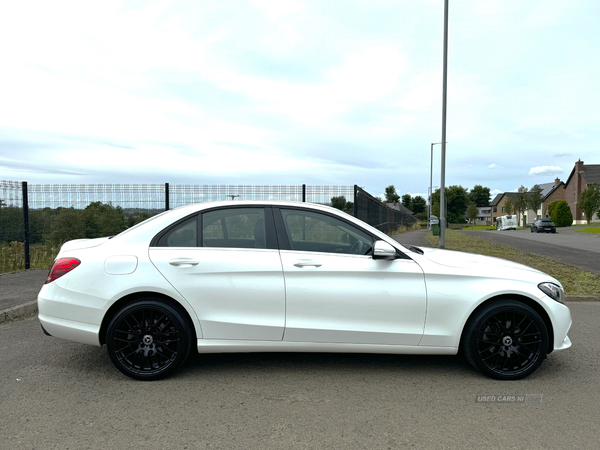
column 383, row 250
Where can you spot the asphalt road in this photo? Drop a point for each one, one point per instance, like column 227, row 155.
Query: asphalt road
column 581, row 250
column 56, row 394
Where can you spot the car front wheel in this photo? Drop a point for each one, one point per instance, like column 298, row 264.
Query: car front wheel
column 148, row 339
column 506, row 340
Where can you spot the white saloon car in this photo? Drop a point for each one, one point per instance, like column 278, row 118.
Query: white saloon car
column 294, row 277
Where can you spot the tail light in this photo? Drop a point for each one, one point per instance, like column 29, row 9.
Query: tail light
column 61, row 267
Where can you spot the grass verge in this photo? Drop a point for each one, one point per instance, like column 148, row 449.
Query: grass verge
column 12, row 256
column 588, row 230
column 576, row 282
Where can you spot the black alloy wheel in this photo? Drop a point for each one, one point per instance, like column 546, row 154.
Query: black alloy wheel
column 148, row 339
column 506, row 340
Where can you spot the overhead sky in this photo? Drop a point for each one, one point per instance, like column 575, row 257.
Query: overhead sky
column 288, row 92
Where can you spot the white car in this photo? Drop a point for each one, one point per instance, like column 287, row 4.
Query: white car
column 294, row 277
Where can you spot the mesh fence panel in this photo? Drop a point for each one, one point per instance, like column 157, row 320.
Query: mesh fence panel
column 372, row 211
column 55, row 210
column 11, row 211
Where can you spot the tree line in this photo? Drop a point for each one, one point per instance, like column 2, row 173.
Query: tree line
column 60, row 224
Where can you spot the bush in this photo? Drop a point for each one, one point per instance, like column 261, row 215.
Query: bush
column 561, row 214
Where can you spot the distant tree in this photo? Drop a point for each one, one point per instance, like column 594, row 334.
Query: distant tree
column 522, row 202
column 391, row 195
column 561, row 214
column 480, row 195
column 342, row 204
column 407, row 201
column 589, row 201
column 67, row 224
column 435, row 209
column 339, row 202
column 472, row 212
column 103, row 219
column 509, row 207
column 11, row 223
column 419, row 204
column 457, row 201
column 535, row 198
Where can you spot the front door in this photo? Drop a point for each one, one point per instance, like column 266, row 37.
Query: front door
column 337, row 293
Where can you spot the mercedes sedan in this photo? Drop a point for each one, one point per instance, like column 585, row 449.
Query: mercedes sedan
column 294, row 277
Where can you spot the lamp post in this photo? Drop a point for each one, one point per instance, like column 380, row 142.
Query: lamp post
column 443, row 169
column 431, row 180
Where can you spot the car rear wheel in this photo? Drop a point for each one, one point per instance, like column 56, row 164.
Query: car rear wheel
column 148, row 339
column 506, row 340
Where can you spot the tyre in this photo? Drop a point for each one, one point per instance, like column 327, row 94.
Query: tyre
column 148, row 339
column 506, row 340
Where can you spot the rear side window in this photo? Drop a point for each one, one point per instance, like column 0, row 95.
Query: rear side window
column 184, row 234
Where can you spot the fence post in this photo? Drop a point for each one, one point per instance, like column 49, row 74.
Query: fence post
column 303, row 193
column 355, row 200
column 26, row 225
column 166, row 196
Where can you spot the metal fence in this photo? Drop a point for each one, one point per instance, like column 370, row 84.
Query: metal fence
column 370, row 210
column 38, row 213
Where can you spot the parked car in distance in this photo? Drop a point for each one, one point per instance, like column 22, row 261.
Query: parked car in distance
column 546, row 225
column 255, row 276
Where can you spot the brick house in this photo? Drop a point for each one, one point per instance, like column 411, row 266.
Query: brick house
column 581, row 176
column 497, row 205
column 555, row 194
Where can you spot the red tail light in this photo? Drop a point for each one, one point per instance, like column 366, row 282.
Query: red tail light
column 61, row 267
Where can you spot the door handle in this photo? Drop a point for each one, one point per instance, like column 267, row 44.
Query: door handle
column 307, row 263
column 183, row 262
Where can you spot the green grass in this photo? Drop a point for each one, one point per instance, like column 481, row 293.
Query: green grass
column 479, row 228
column 576, row 282
column 588, row 230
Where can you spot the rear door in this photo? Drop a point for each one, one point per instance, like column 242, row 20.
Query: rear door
column 226, row 264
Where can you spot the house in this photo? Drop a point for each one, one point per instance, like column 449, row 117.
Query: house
column 556, row 193
column 484, row 215
column 498, row 206
column 580, row 178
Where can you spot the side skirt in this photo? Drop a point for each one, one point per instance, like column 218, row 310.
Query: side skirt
column 230, row 346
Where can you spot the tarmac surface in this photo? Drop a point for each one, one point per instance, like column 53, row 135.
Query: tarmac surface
column 18, row 291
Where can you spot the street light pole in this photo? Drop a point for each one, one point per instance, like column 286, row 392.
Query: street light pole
column 444, row 95
column 431, row 180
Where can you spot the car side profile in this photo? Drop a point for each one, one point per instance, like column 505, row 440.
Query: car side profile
column 543, row 225
column 254, row 276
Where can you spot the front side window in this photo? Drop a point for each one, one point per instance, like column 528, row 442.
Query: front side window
column 234, row 228
column 315, row 232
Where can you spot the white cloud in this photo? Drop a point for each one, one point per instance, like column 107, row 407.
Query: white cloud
column 492, row 166
column 545, row 171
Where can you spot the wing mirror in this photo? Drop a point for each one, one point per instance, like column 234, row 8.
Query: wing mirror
column 383, row 250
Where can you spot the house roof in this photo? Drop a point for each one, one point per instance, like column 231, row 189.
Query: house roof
column 590, row 173
column 549, row 188
column 511, row 195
